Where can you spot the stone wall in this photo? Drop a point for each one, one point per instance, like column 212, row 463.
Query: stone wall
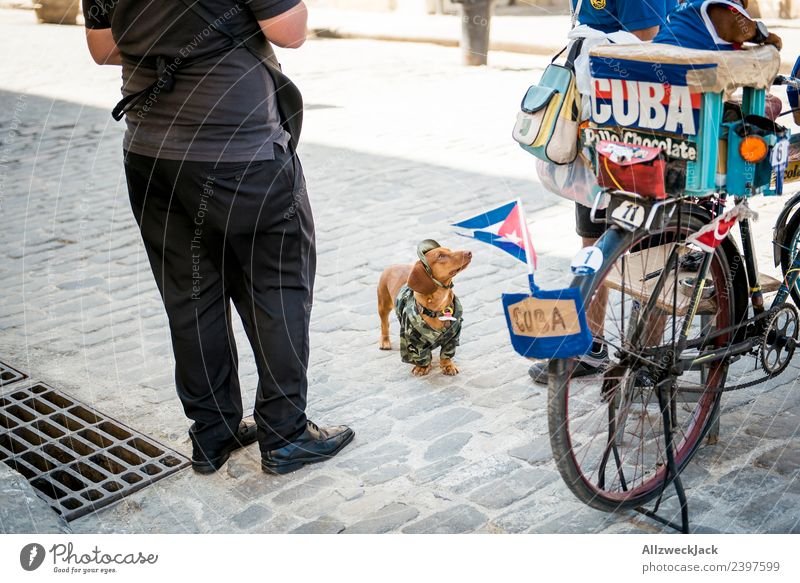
column 410, row 6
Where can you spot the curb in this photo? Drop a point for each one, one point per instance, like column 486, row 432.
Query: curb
column 323, row 32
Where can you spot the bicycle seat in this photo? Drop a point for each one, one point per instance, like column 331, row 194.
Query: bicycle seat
column 706, row 71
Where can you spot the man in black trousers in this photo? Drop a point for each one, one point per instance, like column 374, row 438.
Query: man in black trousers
column 221, row 202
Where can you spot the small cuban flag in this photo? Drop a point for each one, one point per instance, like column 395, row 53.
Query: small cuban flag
column 542, row 323
column 503, row 227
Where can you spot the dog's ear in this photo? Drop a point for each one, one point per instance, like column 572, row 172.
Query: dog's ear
column 420, row 281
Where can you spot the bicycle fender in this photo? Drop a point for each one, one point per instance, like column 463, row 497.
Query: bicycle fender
column 607, row 243
column 779, row 231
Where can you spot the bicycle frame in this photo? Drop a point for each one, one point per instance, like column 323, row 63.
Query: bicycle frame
column 756, row 302
column 701, row 181
column 653, row 96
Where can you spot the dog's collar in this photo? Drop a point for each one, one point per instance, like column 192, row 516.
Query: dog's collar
column 422, row 249
column 445, row 315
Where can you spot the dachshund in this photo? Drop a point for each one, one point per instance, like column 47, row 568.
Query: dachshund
column 429, row 312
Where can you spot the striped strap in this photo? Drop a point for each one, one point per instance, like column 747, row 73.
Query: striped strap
column 574, row 13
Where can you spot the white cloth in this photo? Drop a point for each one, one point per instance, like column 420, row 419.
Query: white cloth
column 592, row 38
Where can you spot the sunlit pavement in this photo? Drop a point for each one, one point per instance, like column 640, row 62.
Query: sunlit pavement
column 399, row 140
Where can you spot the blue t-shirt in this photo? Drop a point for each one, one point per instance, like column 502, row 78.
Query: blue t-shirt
column 614, row 15
column 690, row 27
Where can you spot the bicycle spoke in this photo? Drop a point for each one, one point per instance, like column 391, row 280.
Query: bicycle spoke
column 615, row 452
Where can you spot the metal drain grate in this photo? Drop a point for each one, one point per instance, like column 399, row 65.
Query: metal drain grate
column 9, row 375
column 78, row 459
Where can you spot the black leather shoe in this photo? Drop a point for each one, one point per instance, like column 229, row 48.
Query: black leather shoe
column 314, row 445
column 211, row 459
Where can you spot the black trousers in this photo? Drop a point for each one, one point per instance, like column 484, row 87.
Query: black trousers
column 241, row 232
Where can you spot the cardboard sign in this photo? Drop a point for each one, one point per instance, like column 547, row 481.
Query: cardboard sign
column 549, row 324
column 791, row 174
column 672, row 146
column 538, row 318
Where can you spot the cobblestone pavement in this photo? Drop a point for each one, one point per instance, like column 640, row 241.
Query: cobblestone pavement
column 399, row 139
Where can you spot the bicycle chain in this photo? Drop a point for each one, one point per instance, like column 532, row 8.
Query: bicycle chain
column 769, row 315
column 748, row 384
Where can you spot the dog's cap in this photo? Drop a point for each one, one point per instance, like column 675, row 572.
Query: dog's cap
column 422, row 249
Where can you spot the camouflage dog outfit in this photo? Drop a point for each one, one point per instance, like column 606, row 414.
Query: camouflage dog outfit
column 417, row 339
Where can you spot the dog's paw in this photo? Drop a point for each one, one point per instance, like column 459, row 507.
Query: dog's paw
column 385, row 344
column 449, row 368
column 420, row 371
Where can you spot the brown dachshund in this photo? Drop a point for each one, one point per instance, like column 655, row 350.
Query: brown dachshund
column 429, row 312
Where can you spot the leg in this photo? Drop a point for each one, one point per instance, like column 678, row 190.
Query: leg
column 414, row 350
column 447, row 366
column 448, row 350
column 654, row 328
column 421, row 370
column 262, row 213
column 188, row 277
column 589, row 232
column 597, row 312
column 421, row 360
column 385, row 307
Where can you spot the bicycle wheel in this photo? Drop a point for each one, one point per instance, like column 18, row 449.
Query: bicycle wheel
column 789, row 247
column 606, row 431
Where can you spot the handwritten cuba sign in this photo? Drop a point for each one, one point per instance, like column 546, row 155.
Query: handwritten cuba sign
column 650, row 96
column 547, row 323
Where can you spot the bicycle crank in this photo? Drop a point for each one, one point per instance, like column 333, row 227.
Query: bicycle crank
column 779, row 340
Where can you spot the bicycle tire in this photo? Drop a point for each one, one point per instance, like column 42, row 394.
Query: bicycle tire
column 570, row 446
column 788, row 248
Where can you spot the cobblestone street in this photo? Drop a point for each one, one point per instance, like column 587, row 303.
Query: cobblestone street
column 399, row 140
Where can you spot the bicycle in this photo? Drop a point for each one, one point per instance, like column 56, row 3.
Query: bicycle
column 672, row 314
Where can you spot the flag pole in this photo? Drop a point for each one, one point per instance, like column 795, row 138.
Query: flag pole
column 528, row 245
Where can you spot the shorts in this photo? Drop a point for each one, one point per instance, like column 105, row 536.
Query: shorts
column 584, row 225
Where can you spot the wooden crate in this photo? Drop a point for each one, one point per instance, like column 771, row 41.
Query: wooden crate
column 651, row 261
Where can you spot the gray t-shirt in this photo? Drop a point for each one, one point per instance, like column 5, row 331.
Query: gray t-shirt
column 221, row 108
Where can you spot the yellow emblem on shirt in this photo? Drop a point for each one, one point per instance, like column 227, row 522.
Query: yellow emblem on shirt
column 598, row 4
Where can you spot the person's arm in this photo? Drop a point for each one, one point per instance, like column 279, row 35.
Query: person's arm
column 102, row 46
column 646, row 34
column 287, row 29
column 734, row 27
column 642, row 18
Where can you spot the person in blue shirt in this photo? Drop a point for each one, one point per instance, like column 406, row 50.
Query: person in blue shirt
column 721, row 25
column 641, row 18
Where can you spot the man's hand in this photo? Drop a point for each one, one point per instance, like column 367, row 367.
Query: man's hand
column 102, row 46
column 287, row 30
column 774, row 40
